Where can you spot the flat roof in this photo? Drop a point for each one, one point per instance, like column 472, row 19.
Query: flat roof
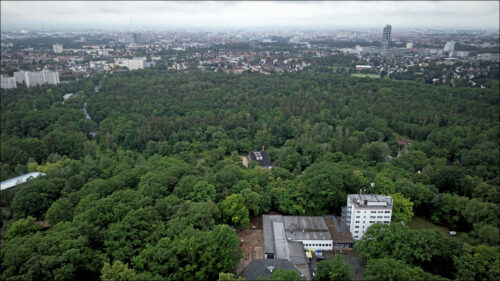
column 339, row 235
column 306, row 228
column 280, row 241
column 371, row 200
column 267, row 228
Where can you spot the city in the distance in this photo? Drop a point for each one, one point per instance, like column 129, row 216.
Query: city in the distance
column 239, row 140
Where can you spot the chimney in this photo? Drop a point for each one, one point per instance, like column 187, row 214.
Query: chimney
column 262, row 148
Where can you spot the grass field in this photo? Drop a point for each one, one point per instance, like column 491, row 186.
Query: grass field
column 421, row 223
column 369, row 75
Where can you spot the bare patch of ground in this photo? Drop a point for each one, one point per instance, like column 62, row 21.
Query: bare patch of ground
column 252, row 245
column 244, row 159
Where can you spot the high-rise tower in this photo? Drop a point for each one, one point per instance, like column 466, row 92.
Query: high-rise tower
column 386, row 36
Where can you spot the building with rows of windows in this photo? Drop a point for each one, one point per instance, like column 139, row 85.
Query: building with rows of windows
column 363, row 210
column 36, row 78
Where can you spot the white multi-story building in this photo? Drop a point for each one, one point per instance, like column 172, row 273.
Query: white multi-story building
column 488, row 57
column 32, row 78
column 131, row 64
column 8, row 82
column 449, row 46
column 58, row 48
column 363, row 210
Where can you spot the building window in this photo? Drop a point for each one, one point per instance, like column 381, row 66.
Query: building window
column 358, row 212
column 357, row 217
column 373, row 212
column 356, row 236
column 356, row 231
column 386, row 221
column 372, row 221
column 380, row 212
column 379, row 217
column 357, row 221
column 387, row 217
column 372, row 217
column 387, row 212
column 357, row 226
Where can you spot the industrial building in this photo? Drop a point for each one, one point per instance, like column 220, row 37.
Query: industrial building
column 311, row 231
column 277, row 246
column 363, row 210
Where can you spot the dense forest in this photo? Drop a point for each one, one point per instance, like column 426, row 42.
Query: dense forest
column 152, row 187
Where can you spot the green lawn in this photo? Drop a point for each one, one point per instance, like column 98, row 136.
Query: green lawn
column 369, row 75
column 421, row 223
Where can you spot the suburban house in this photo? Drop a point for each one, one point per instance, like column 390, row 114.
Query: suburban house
column 261, row 157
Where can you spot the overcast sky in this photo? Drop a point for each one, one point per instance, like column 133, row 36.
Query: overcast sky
column 112, row 14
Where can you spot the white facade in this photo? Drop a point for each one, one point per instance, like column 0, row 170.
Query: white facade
column 8, row 83
column 362, row 67
column 323, row 245
column 449, row 47
column 363, row 210
column 311, row 231
column 488, row 57
column 19, row 76
column 458, row 54
column 32, row 78
column 131, row 64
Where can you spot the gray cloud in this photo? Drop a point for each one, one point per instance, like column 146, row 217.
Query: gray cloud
column 460, row 14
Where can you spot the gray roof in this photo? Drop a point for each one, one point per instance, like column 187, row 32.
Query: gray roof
column 267, row 227
column 258, row 268
column 306, row 228
column 296, row 252
column 280, row 242
column 339, row 233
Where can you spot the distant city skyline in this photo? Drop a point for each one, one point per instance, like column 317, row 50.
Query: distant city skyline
column 335, row 14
